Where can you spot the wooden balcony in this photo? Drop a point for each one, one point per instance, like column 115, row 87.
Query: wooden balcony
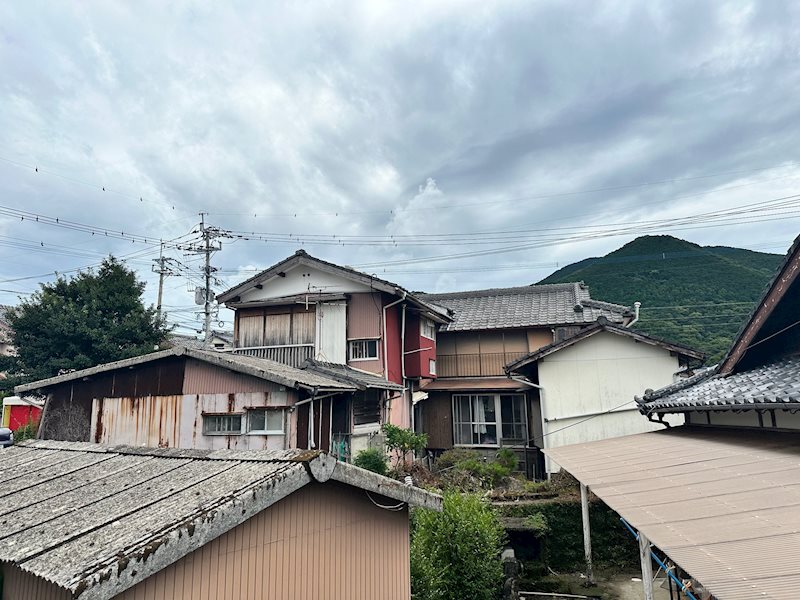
column 474, row 365
column 293, row 355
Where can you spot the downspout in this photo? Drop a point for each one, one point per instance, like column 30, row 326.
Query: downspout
column 406, row 394
column 636, row 307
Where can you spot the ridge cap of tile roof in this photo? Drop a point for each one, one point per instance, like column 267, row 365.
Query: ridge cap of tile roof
column 522, row 289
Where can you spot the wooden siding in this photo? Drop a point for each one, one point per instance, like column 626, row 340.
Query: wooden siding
column 68, row 413
column 18, row 585
column 324, row 542
column 437, row 420
column 275, row 326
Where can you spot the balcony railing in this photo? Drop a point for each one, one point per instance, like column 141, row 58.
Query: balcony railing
column 474, row 365
column 293, row 355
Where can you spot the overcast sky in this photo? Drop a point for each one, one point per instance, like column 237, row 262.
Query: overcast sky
column 392, row 119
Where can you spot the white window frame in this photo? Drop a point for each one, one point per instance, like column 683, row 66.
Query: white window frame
column 427, row 328
column 432, row 366
column 352, row 343
column 497, row 423
column 265, row 410
column 226, row 415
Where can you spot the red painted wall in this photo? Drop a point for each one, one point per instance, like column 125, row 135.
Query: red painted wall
column 418, row 363
column 394, row 369
column 22, row 415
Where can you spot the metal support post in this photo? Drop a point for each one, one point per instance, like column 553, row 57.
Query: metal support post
column 587, row 533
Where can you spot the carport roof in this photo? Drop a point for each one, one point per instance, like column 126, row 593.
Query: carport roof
column 724, row 505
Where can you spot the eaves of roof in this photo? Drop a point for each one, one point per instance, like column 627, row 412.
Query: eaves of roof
column 301, row 257
column 603, row 325
column 261, row 368
column 96, row 520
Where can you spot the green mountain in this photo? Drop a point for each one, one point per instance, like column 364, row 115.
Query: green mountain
column 697, row 295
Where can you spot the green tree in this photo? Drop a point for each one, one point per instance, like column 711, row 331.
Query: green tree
column 455, row 554
column 401, row 441
column 89, row 319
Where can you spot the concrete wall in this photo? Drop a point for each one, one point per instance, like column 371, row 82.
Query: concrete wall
column 596, row 375
column 324, row 542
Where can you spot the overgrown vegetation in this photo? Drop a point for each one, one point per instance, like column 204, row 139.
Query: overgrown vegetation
column 696, row 295
column 372, row 459
column 464, row 469
column 27, row 431
column 400, row 442
column 455, row 554
column 70, row 324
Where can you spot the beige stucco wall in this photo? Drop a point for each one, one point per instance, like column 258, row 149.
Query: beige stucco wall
column 596, row 375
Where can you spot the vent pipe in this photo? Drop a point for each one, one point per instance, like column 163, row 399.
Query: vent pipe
column 636, row 307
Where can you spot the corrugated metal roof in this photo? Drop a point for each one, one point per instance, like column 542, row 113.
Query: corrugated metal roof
column 262, row 368
column 96, row 520
column 528, row 306
column 776, row 385
column 350, row 376
column 723, row 504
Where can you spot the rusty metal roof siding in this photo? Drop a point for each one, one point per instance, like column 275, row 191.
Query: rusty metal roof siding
column 96, row 520
column 528, row 306
column 722, row 504
column 473, row 383
column 776, row 385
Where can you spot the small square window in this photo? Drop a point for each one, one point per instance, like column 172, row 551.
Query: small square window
column 268, row 421
column 427, row 328
column 363, row 349
column 226, row 424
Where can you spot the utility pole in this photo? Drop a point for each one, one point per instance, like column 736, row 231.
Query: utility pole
column 208, row 234
column 162, row 271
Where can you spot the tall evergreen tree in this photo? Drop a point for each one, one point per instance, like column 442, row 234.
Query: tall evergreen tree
column 89, row 319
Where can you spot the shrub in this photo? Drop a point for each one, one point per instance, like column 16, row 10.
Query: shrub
column 489, row 473
column 507, row 458
column 27, row 431
column 372, row 459
column 449, row 458
column 455, row 554
column 402, row 441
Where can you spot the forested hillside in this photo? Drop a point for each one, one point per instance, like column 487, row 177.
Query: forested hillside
column 698, row 295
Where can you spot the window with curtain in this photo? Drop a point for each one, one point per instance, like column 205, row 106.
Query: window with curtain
column 478, row 419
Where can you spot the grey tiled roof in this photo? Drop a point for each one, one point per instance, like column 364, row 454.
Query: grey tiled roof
column 97, row 520
column 528, row 306
column 770, row 386
column 351, row 376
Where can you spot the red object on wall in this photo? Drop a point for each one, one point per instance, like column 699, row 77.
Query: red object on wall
column 420, row 351
column 394, row 369
column 22, row 415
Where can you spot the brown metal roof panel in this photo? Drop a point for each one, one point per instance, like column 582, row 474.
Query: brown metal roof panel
column 474, row 384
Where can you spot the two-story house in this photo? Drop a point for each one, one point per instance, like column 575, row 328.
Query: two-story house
column 346, row 324
column 474, row 403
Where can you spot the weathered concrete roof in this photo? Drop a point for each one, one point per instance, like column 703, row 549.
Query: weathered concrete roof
column 97, row 520
column 603, row 325
column 262, row 368
column 527, row 306
column 349, row 375
column 772, row 386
